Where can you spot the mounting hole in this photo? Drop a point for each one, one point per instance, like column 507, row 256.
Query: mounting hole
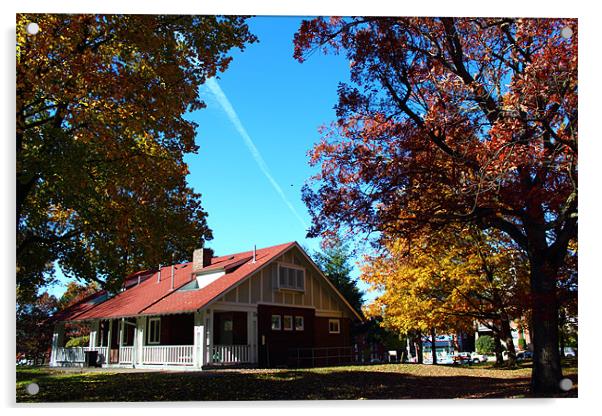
column 32, row 389
column 566, row 384
column 566, row 32
column 32, row 28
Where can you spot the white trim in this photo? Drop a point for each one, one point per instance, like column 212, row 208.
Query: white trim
column 295, row 289
column 324, row 313
column 233, row 306
column 338, row 322
column 272, row 323
column 286, row 305
column 302, row 326
column 148, row 335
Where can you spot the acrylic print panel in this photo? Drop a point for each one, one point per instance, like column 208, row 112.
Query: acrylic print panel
column 167, row 165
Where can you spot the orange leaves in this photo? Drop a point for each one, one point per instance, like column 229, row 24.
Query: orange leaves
column 101, row 136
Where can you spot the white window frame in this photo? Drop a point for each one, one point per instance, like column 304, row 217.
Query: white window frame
column 149, row 341
column 279, row 323
column 286, row 286
column 290, row 319
column 338, row 324
column 302, row 326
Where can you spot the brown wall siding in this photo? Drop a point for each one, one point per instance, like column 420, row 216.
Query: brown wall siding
column 323, row 338
column 275, row 349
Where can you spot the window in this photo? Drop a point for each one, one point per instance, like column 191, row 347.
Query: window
column 298, row 323
column 154, row 330
column 288, row 323
column 334, row 326
column 275, row 322
column 228, row 325
column 291, row 277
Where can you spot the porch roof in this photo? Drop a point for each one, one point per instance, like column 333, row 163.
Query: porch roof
column 154, row 295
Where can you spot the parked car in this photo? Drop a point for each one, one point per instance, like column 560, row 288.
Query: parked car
column 462, row 358
column 570, row 352
column 478, row 358
column 524, row 355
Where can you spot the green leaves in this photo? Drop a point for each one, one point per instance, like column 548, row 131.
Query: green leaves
column 101, row 139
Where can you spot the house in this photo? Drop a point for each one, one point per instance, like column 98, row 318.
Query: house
column 267, row 307
column 518, row 329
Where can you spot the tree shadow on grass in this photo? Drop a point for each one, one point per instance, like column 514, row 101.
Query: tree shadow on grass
column 282, row 385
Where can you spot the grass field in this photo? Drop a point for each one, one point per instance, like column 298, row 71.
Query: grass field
column 386, row 381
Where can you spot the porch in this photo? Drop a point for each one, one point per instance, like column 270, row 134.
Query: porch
column 183, row 341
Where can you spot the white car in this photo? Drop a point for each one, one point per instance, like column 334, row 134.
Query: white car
column 478, row 358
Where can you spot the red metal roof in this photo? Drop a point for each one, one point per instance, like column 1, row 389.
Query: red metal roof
column 79, row 308
column 153, row 297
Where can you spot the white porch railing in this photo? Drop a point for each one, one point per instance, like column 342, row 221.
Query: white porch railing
column 168, row 354
column 125, row 355
column 75, row 355
column 231, row 354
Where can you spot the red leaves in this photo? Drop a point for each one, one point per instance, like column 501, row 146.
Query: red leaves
column 447, row 119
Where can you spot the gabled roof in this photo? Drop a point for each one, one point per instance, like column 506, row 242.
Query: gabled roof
column 156, row 295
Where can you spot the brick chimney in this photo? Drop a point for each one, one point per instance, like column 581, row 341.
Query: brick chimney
column 201, row 258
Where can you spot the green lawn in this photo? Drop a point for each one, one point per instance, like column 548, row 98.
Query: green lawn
column 387, row 381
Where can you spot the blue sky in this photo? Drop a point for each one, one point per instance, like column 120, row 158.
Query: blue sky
column 261, row 119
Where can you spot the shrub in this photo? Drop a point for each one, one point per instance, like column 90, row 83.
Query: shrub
column 82, row 341
column 485, row 345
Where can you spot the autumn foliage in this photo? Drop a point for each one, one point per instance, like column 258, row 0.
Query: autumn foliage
column 101, row 139
column 455, row 121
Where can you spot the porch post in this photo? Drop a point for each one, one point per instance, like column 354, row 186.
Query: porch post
column 121, row 329
column 139, row 339
column 209, row 336
column 109, row 336
column 58, row 337
column 94, row 328
column 198, row 351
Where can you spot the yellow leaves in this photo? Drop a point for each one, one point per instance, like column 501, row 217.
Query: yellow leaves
column 429, row 280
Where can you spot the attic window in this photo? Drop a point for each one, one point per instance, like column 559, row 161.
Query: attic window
column 291, row 277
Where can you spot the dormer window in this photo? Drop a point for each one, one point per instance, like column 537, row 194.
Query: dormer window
column 291, row 277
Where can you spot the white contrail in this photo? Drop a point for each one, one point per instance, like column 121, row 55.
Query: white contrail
column 227, row 107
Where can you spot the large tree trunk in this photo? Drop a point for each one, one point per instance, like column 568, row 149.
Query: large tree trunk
column 499, row 358
column 507, row 333
column 433, row 346
column 547, row 372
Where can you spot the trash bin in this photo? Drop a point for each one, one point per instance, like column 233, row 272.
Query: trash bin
column 90, row 358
